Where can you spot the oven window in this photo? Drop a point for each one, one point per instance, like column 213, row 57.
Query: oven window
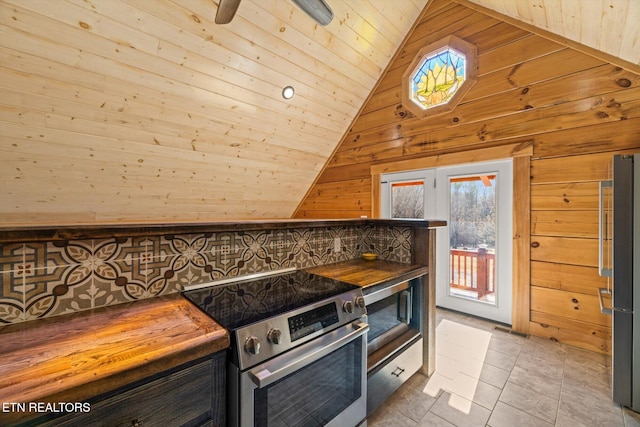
column 315, row 394
column 384, row 316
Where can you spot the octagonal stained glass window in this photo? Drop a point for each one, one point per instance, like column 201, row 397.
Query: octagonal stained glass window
column 439, row 76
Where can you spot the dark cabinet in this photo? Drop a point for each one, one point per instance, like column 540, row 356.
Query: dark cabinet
column 191, row 396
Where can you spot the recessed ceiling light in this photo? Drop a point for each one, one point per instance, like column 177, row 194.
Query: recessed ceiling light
column 287, row 92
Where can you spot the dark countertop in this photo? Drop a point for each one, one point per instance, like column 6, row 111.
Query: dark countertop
column 92, row 231
column 71, row 358
column 370, row 273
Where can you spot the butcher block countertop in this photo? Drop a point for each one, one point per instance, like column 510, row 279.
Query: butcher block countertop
column 370, row 273
column 72, row 358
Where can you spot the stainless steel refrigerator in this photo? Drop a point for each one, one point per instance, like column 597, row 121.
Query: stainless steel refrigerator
column 625, row 272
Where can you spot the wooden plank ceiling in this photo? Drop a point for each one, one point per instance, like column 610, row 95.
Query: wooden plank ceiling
column 609, row 26
column 145, row 110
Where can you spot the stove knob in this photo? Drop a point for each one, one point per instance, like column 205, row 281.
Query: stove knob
column 274, row 335
column 347, row 307
column 360, row 302
column 252, row 345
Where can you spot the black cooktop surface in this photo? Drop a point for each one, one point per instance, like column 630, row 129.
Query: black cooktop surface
column 241, row 303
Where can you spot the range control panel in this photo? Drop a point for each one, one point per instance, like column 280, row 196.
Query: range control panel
column 263, row 340
column 313, row 320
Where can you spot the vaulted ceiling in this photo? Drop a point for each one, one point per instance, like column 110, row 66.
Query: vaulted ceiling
column 136, row 110
column 146, row 110
column 606, row 26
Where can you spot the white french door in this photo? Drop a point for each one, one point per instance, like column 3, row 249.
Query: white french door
column 474, row 251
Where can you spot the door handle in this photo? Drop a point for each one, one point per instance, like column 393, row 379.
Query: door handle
column 404, row 306
column 276, row 369
column 386, row 292
column 603, row 309
column 602, row 228
column 397, row 372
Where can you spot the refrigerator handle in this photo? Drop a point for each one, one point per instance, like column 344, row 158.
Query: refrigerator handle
column 602, row 228
column 603, row 309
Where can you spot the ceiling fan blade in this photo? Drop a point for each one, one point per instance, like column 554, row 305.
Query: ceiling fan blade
column 318, row 10
column 226, row 11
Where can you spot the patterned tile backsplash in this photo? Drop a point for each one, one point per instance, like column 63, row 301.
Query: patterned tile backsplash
column 50, row 278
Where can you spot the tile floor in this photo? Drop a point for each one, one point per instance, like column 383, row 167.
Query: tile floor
column 488, row 377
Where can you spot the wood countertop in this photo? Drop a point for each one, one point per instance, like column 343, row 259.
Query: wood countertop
column 370, row 273
column 72, row 358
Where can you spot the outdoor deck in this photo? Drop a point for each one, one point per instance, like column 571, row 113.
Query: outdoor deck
column 472, row 273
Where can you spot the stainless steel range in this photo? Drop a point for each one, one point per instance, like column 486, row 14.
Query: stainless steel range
column 298, row 349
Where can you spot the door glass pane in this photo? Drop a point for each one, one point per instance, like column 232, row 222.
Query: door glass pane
column 472, row 238
column 407, row 199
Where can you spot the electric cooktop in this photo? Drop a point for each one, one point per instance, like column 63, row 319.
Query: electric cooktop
column 238, row 304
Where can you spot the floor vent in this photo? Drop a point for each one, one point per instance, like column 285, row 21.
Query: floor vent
column 509, row 331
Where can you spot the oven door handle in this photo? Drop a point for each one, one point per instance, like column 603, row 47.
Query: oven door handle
column 280, row 367
column 385, row 292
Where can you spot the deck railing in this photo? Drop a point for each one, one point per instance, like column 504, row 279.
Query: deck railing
column 473, row 270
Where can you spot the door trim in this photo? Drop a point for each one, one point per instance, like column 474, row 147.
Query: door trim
column 521, row 154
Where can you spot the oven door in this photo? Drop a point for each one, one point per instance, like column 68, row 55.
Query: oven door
column 323, row 382
column 392, row 314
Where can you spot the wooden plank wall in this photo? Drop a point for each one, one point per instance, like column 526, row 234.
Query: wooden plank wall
column 577, row 110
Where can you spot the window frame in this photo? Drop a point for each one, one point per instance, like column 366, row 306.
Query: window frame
column 471, row 73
